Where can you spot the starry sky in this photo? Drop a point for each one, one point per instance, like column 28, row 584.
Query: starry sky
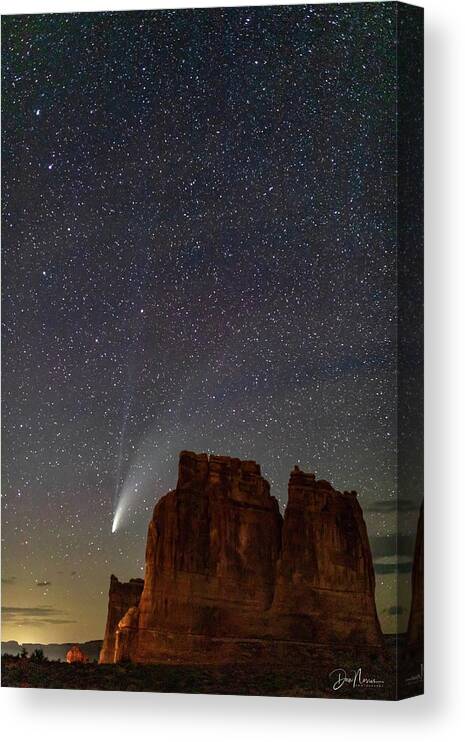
column 199, row 241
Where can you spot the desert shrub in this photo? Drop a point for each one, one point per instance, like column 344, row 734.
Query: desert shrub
column 38, row 655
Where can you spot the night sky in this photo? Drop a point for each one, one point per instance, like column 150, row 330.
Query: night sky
column 199, row 233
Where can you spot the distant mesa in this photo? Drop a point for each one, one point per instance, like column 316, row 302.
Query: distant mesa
column 229, row 579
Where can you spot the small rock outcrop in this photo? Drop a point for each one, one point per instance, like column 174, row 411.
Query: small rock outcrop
column 229, row 580
column 121, row 597
column 76, row 655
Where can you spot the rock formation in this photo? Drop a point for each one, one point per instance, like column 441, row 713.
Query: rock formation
column 212, row 550
column 415, row 625
column 75, row 654
column 228, row 580
column 121, row 596
column 325, row 582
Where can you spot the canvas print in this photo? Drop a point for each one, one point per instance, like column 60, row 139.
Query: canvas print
column 212, row 468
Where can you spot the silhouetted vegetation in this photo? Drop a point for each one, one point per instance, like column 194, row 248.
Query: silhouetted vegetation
column 233, row 680
column 38, row 656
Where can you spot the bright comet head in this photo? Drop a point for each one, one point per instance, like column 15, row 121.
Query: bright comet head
column 116, row 519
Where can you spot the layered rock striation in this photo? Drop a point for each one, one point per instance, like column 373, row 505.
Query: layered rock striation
column 229, row 580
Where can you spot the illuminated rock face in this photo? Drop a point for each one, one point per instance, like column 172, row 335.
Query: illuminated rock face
column 121, row 596
column 415, row 627
column 227, row 580
column 212, row 550
column 325, row 585
column 75, row 654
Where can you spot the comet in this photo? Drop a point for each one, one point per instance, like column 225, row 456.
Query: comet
column 153, row 465
column 147, row 477
column 117, row 516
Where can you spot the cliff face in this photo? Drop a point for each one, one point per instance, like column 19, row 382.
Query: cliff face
column 211, row 556
column 227, row 580
column 121, row 596
column 325, row 582
column 415, row 626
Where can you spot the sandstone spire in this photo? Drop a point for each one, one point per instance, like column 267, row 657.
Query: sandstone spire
column 121, row 596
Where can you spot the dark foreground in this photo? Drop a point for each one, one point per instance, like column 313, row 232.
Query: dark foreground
column 371, row 677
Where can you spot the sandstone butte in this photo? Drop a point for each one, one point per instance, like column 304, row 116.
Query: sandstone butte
column 228, row 579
